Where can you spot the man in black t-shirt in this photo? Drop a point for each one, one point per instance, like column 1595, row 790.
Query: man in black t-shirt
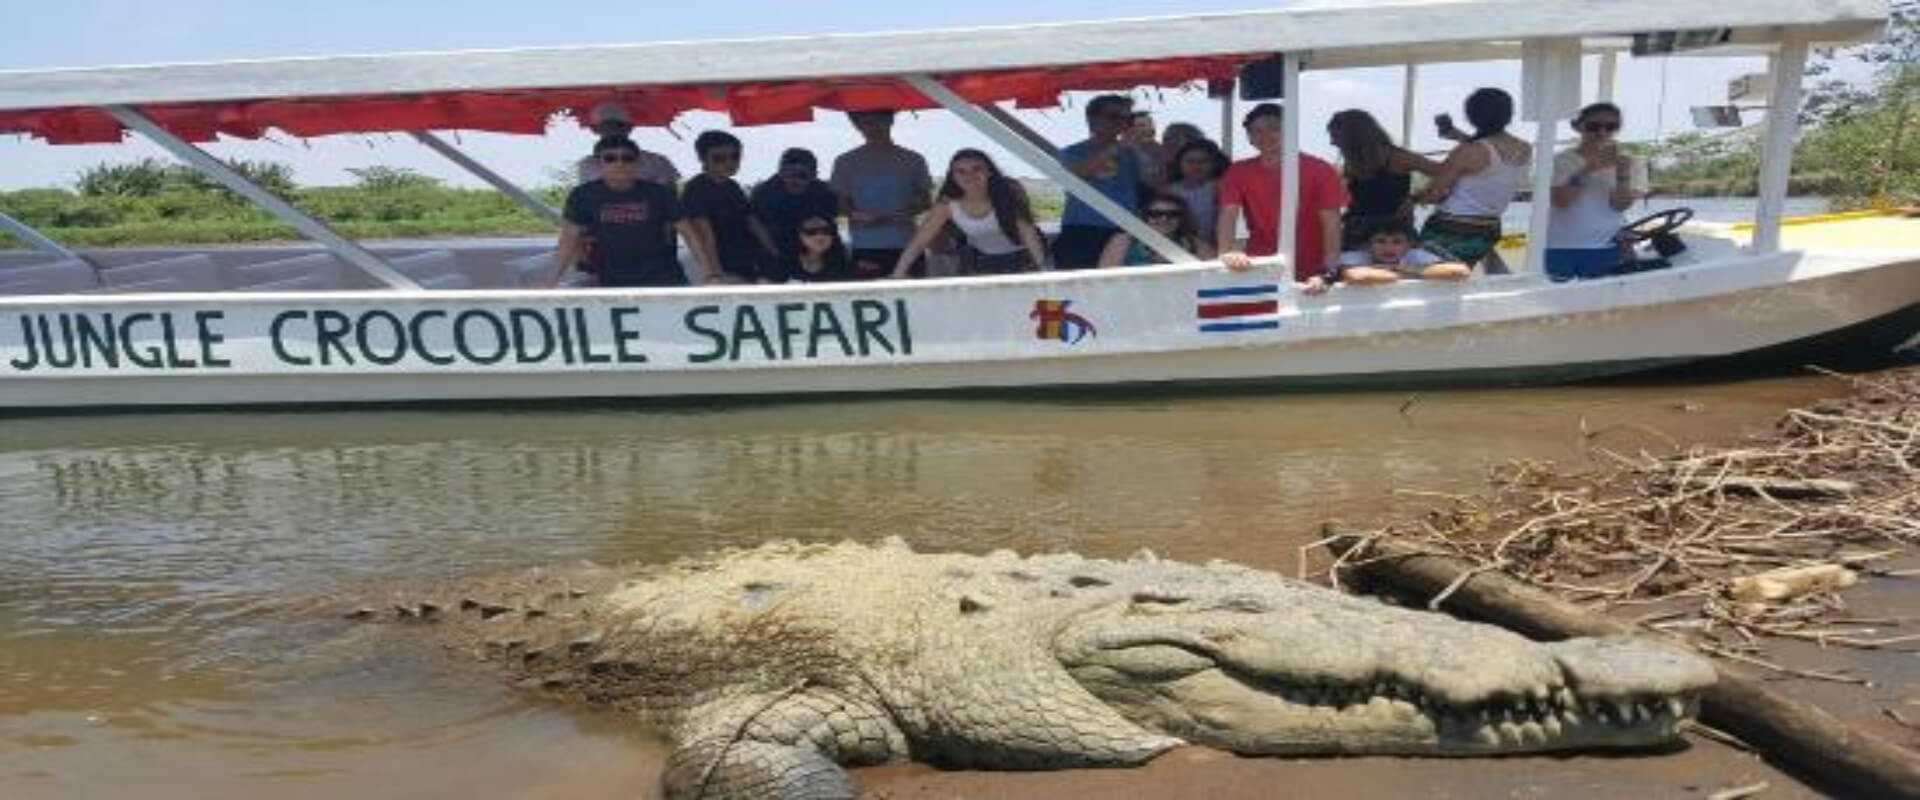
column 737, row 247
column 631, row 222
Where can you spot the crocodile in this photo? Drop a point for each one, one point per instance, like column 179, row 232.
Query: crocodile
column 772, row 669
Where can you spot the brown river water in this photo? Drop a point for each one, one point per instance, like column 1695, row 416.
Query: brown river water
column 140, row 554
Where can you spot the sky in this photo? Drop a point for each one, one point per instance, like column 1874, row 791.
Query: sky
column 1655, row 93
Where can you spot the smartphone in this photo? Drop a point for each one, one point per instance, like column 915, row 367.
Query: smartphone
column 1443, row 122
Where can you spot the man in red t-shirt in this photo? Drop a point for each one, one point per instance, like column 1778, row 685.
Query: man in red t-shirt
column 1252, row 187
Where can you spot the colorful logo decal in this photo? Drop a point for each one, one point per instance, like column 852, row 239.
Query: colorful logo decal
column 1231, row 309
column 1057, row 323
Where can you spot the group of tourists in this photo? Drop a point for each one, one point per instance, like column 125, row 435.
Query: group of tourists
column 1355, row 223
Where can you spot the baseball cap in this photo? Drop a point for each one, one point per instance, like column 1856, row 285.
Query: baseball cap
column 799, row 161
column 609, row 116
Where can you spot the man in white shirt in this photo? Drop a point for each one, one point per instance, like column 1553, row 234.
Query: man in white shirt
column 609, row 119
column 1593, row 185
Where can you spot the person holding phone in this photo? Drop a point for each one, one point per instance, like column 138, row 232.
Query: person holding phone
column 1593, row 185
column 1476, row 182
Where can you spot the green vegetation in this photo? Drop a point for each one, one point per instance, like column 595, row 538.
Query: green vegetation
column 1857, row 149
column 152, row 203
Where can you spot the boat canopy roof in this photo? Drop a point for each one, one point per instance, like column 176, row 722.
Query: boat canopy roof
column 780, row 80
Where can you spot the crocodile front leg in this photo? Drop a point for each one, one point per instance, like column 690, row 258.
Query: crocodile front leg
column 782, row 745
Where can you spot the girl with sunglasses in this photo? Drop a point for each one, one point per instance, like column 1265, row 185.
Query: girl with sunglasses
column 993, row 218
column 1593, row 185
column 816, row 254
column 1168, row 214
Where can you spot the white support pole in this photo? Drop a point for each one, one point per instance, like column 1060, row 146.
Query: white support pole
column 1541, row 198
column 1014, row 124
column 1609, row 74
column 1409, row 85
column 1550, row 78
column 218, row 170
column 1783, row 126
column 1290, row 164
column 506, row 187
column 1227, row 123
column 1049, row 166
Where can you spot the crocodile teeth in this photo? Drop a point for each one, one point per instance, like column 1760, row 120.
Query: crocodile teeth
column 1677, row 707
column 1552, row 727
column 1533, row 733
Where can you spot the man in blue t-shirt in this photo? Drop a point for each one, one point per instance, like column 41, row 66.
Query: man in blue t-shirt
column 1113, row 168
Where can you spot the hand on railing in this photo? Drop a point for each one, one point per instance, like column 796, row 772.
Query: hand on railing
column 1241, row 262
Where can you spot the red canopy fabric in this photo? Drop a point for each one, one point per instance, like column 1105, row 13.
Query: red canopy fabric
column 528, row 111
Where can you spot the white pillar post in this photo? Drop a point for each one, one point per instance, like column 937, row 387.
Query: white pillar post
column 218, row 170
column 1540, row 200
column 1227, row 123
column 1550, row 78
column 495, row 179
column 1609, row 74
column 1783, row 126
column 1409, row 85
column 1049, row 166
column 1290, row 163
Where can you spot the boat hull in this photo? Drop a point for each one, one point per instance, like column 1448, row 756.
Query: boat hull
column 1152, row 327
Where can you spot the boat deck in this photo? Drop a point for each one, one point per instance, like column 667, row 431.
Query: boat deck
column 1865, row 230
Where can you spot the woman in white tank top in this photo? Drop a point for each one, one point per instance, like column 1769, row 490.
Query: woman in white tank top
column 1476, row 182
column 992, row 215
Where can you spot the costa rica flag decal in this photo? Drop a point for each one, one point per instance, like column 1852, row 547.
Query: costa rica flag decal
column 1233, row 309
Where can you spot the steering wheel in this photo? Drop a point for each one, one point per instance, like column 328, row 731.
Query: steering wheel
column 1652, row 225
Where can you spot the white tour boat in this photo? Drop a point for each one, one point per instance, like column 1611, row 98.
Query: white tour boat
column 350, row 323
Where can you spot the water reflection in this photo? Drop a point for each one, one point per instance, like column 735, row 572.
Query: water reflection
column 144, row 556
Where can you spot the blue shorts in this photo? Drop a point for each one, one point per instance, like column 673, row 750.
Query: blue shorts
column 1566, row 264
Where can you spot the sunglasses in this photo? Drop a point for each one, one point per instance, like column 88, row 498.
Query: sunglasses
column 1163, row 213
column 1600, row 127
column 618, row 158
column 816, row 230
column 723, row 156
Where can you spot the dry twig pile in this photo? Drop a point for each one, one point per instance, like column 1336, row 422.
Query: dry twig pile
column 1727, row 545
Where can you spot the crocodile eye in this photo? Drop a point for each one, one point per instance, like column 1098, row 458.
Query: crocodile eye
column 1157, row 598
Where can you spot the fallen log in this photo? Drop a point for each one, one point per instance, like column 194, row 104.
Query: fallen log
column 1796, row 735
